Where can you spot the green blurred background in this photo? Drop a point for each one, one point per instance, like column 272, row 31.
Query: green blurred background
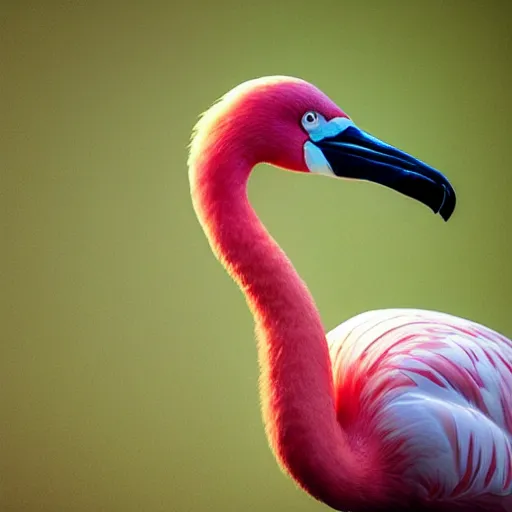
column 128, row 368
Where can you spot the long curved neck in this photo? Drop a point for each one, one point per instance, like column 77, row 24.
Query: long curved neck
column 296, row 382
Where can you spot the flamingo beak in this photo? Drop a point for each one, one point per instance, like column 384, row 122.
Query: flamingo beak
column 355, row 154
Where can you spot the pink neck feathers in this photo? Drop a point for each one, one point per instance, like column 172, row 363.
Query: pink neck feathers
column 296, row 383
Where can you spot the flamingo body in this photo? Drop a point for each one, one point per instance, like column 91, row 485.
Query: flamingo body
column 394, row 410
column 436, row 391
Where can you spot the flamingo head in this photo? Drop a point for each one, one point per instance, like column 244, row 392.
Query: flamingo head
column 289, row 123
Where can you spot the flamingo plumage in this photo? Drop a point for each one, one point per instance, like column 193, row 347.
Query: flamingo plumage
column 393, row 410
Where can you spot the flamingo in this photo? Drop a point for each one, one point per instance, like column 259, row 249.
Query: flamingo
column 394, row 409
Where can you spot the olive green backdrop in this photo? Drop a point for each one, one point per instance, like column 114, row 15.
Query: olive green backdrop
column 128, row 369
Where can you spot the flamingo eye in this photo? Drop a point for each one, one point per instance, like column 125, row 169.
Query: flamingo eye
column 310, row 120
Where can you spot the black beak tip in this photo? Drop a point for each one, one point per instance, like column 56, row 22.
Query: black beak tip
column 445, row 217
column 448, row 205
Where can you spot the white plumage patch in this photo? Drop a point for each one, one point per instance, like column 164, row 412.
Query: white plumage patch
column 442, row 386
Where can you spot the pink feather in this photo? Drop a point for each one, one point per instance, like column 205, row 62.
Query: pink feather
column 393, row 410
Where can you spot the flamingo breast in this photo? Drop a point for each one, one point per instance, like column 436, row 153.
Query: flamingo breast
column 433, row 394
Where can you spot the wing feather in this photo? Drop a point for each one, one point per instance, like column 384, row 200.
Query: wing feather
column 433, row 390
